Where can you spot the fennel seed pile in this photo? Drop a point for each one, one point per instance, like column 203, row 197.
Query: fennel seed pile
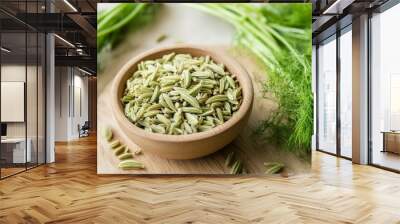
column 180, row 94
column 124, row 154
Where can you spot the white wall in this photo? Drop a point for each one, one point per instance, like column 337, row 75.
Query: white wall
column 70, row 83
column 386, row 69
column 327, row 96
column 346, row 76
column 33, row 127
column 314, row 90
column 385, row 74
column 12, row 73
column 360, row 89
column 81, row 81
column 61, row 103
column 50, row 95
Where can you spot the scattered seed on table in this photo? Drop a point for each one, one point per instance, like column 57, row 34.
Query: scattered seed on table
column 107, row 133
column 130, row 164
column 114, row 144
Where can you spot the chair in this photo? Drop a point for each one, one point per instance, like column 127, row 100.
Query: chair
column 84, row 130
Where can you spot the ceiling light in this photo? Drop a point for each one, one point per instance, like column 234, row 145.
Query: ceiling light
column 84, row 71
column 331, row 7
column 64, row 40
column 70, row 5
column 5, row 50
column 80, row 51
column 337, row 7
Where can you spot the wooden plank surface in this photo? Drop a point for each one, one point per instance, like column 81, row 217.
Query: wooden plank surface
column 247, row 146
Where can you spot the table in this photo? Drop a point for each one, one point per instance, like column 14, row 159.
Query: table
column 18, row 151
column 391, row 141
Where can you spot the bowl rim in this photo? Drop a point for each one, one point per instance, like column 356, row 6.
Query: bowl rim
column 230, row 63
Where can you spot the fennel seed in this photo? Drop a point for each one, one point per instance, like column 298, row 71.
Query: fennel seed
column 237, row 167
column 273, row 168
column 114, row 144
column 180, row 94
column 122, row 151
column 125, row 156
column 107, row 133
column 229, row 159
column 130, row 164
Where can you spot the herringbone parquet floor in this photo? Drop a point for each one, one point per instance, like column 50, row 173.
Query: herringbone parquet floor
column 69, row 191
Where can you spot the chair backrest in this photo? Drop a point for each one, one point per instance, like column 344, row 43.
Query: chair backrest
column 86, row 125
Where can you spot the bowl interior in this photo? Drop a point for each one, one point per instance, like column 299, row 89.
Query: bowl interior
column 230, row 64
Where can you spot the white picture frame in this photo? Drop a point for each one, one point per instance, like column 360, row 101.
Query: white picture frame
column 12, row 101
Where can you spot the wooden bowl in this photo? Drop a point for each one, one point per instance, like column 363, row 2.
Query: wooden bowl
column 188, row 146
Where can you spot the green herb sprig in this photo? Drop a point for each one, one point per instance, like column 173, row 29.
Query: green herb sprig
column 114, row 24
column 280, row 36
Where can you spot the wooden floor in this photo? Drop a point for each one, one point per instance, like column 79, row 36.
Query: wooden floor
column 69, row 191
column 7, row 171
column 387, row 159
